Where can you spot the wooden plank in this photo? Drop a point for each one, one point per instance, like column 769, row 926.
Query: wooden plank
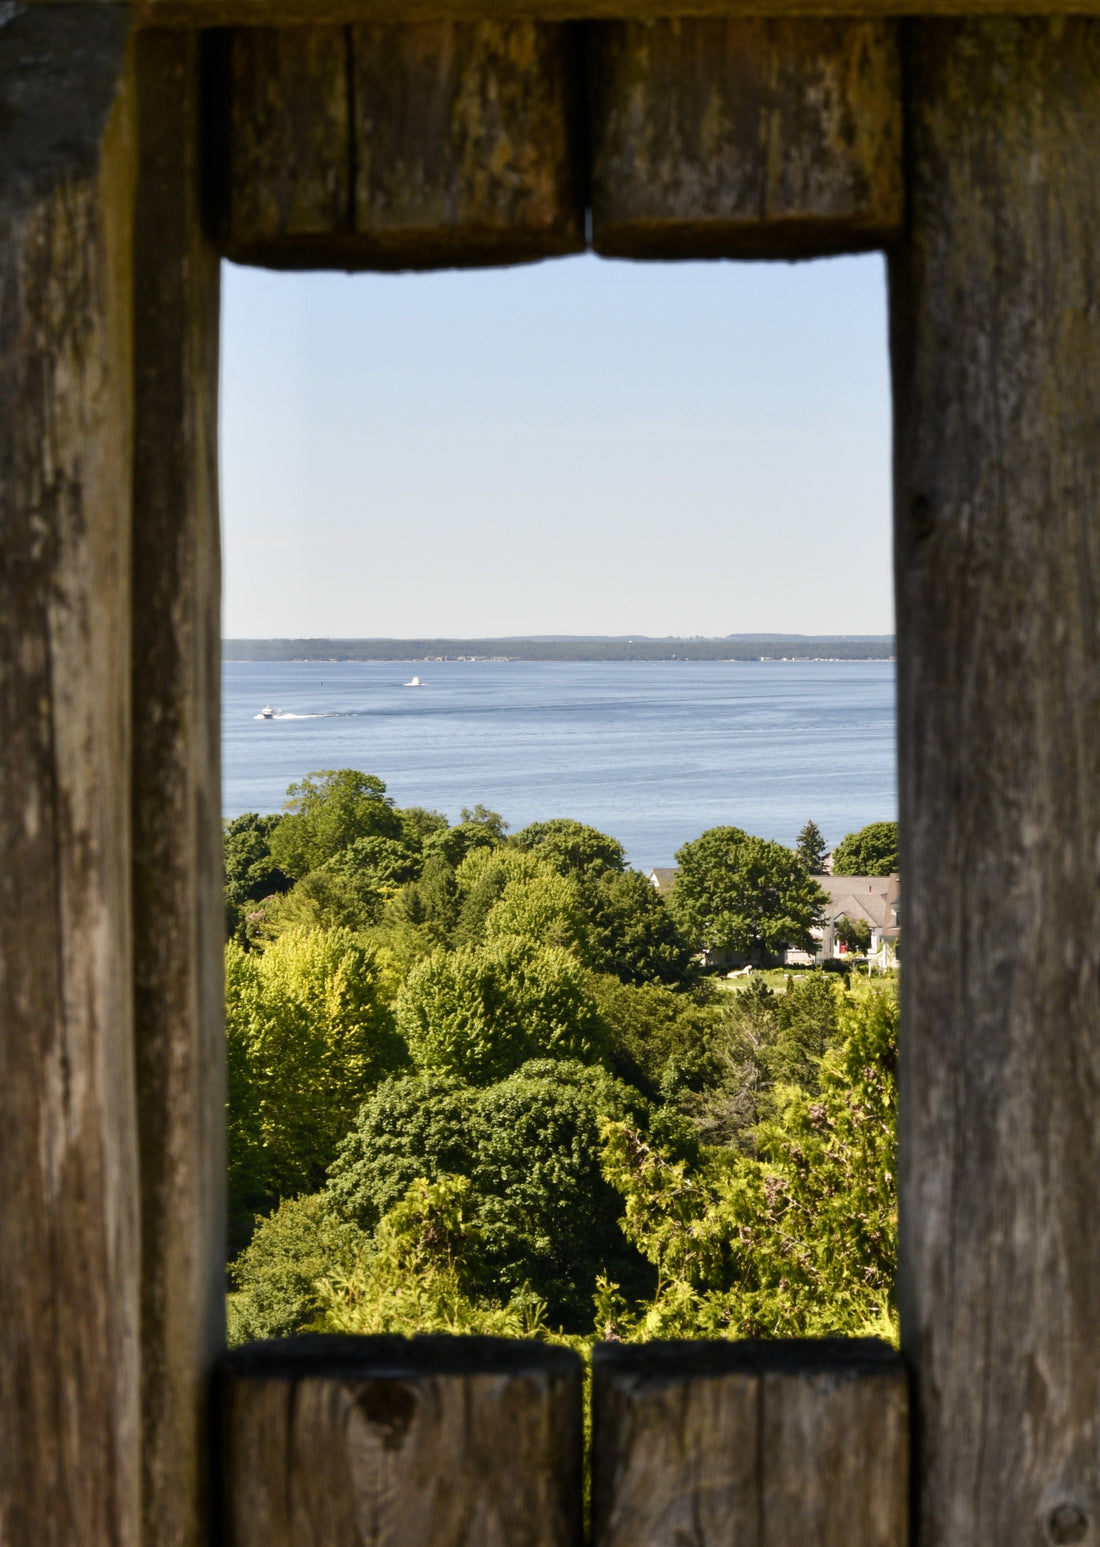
column 741, row 139
column 759, row 1444
column 290, row 13
column 177, row 854
column 69, row 1229
column 996, row 354
column 285, row 183
column 466, row 145
column 429, row 1442
column 399, row 147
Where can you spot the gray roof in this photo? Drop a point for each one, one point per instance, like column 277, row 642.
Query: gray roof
column 861, row 897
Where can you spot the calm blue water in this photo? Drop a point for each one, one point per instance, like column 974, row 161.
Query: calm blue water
column 652, row 752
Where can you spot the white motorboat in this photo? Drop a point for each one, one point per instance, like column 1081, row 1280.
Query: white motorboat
column 414, row 683
column 267, row 713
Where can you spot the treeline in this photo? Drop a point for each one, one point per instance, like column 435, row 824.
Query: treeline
column 479, row 1082
column 739, row 649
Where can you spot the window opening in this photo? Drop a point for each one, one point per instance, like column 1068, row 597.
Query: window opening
column 631, row 520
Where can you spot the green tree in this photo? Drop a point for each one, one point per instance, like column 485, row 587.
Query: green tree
column 322, row 899
column 873, row 851
column 418, row 823
column 481, row 1011
column 413, row 1125
column 276, row 1277
column 481, row 879
column 383, row 862
column 800, row 1241
column 855, row 934
column 457, row 842
column 658, row 1040
column 326, row 812
column 571, row 847
column 549, row 1219
column 310, row 1030
column 546, row 909
column 631, row 932
column 761, row 1041
column 812, row 849
column 738, row 893
column 530, row 1147
column 250, row 872
column 424, row 1272
column 481, row 816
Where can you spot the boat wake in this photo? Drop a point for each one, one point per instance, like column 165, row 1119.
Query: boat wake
column 286, row 714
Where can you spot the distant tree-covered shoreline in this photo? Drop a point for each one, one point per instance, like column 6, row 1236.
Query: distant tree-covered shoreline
column 741, row 648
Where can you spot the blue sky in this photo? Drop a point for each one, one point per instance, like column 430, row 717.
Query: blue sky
column 572, row 447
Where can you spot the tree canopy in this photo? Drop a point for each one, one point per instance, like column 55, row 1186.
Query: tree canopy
column 310, row 1031
column 799, row 1240
column 477, row 1083
column 328, row 810
column 251, row 873
column 873, row 851
column 571, row 847
column 738, row 893
column 481, row 1011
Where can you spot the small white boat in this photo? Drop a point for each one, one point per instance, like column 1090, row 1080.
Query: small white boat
column 415, row 683
column 267, row 713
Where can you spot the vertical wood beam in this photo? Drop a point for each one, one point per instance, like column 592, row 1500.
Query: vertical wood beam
column 744, row 138
column 424, row 1442
column 758, row 1444
column 69, row 1228
column 177, row 859
column 996, row 358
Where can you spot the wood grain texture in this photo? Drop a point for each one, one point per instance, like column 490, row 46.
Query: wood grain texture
column 428, row 1442
column 759, row 1444
column 996, row 359
column 285, row 172
column 739, row 139
column 466, row 144
column 287, row 13
column 69, row 1227
column 177, row 853
column 399, row 147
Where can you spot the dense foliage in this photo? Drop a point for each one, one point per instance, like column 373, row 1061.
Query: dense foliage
column 482, row 1083
column 873, row 851
column 739, row 893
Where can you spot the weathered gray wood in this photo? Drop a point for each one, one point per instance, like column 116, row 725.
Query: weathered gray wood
column 399, row 147
column 272, row 13
column 745, row 138
column 69, row 1230
column 996, row 357
column 758, row 1444
column 177, row 858
column 429, row 1442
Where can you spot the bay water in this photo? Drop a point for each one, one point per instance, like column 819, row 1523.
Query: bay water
column 653, row 752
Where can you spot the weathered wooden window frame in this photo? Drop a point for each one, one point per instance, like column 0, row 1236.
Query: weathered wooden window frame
column 111, row 1079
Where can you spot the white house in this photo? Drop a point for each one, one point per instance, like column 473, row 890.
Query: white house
column 871, row 900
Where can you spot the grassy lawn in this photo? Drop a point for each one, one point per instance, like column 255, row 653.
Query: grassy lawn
column 776, row 979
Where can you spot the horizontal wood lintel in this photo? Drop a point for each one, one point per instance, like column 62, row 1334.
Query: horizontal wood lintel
column 278, row 13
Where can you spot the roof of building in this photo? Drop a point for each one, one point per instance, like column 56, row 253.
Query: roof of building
column 872, row 898
column 663, row 876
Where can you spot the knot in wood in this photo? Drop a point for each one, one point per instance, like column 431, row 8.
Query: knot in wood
column 1067, row 1523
